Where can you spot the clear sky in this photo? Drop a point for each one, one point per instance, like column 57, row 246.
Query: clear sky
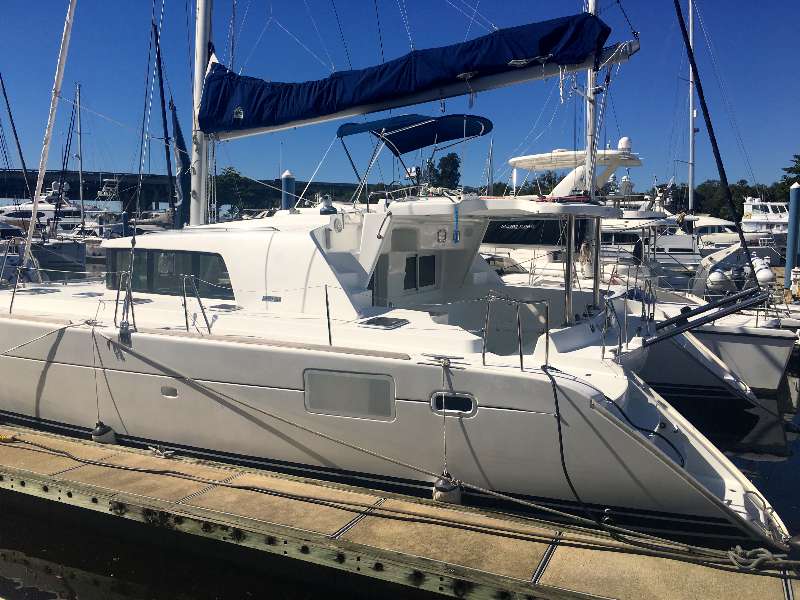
column 755, row 47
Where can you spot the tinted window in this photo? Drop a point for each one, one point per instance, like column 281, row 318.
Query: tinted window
column 169, row 269
column 163, row 272
column 427, row 270
column 410, row 280
column 452, row 402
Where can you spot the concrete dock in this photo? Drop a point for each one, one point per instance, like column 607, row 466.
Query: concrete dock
column 451, row 550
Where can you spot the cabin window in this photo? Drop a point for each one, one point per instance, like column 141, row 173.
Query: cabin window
column 347, row 394
column 420, row 272
column 163, row 272
column 427, row 270
column 410, row 279
column 24, row 214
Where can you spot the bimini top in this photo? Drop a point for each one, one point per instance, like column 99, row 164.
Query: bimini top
column 407, row 133
column 234, row 103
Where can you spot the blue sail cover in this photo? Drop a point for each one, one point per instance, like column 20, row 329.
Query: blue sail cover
column 407, row 133
column 234, row 102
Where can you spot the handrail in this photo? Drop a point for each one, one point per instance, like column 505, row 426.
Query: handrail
column 380, row 229
column 494, row 296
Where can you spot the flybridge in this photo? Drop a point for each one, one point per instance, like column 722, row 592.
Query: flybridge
column 235, row 106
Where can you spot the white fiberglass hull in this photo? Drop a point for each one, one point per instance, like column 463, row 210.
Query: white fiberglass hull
column 244, row 398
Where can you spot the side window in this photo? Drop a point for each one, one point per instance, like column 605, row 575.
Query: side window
column 420, row 272
column 346, row 394
column 163, row 271
column 168, row 271
column 427, row 270
column 213, row 280
column 410, row 279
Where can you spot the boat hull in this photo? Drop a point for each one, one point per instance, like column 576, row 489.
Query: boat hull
column 244, row 397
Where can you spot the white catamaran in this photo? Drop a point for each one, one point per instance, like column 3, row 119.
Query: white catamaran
column 372, row 344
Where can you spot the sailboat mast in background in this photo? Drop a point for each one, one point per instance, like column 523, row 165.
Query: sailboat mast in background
column 51, row 119
column 80, row 151
column 692, row 115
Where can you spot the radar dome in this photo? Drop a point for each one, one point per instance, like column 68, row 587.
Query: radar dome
column 624, row 144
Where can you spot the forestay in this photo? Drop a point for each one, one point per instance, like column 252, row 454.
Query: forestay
column 235, row 105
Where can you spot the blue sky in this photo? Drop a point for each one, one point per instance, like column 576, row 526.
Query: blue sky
column 754, row 46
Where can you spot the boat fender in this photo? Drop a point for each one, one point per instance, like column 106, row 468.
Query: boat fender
column 446, row 490
column 103, row 434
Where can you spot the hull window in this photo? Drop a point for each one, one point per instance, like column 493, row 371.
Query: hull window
column 345, row 394
column 453, row 403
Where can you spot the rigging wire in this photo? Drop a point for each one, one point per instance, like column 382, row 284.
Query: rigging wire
column 319, row 35
column 634, row 33
column 472, row 20
column 148, row 105
column 189, row 44
column 341, row 35
column 258, row 42
column 244, row 20
column 401, row 5
column 488, row 28
column 380, row 35
column 506, row 168
column 4, row 147
column 231, row 41
column 300, row 43
column 725, row 96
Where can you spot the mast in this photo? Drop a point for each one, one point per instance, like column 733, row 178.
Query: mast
column 692, row 129
column 167, row 140
column 202, row 35
column 80, row 151
column 593, row 226
column 590, row 117
column 51, row 118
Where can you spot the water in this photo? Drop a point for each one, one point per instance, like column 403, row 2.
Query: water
column 778, row 479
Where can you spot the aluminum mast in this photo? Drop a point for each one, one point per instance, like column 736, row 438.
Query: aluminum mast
column 51, row 118
column 198, row 209
column 80, row 152
column 692, row 129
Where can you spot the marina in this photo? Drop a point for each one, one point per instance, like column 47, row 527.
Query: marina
column 418, row 370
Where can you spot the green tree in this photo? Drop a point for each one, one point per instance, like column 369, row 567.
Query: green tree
column 239, row 192
column 793, row 170
column 447, row 174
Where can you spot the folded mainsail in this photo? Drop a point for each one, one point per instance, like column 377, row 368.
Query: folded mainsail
column 235, row 105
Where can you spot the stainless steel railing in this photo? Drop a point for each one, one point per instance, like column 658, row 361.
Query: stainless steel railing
column 495, row 297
